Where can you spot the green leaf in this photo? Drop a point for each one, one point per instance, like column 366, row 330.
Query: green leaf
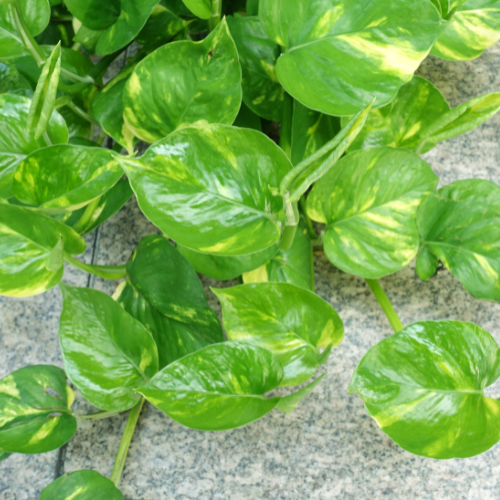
column 475, row 27
column 16, row 142
column 293, row 266
column 253, row 7
column 95, row 14
column 310, row 132
column 81, row 485
column 369, row 202
column 227, row 268
column 87, row 38
column 11, row 43
column 424, row 387
column 44, row 97
column 83, row 174
column 55, row 260
column 200, row 8
column 460, row 225
column 166, row 296
column 291, row 322
column 350, row 51
column 12, row 82
column 78, row 127
column 161, row 27
column 247, row 119
column 223, row 174
column 288, row 403
column 35, row 415
column 262, row 92
column 36, row 13
column 221, row 387
column 4, row 455
column 27, row 239
column 107, row 354
column 403, row 123
column 201, row 83
column 427, row 264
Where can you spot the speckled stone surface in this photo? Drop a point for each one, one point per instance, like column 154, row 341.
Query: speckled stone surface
column 328, row 448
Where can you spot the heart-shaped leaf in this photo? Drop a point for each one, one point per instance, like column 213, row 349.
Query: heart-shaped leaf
column 27, row 239
column 294, row 265
column 425, row 388
column 161, row 27
column 460, row 225
column 16, row 142
column 12, row 82
column 201, row 83
column 35, row 415
column 224, row 175
column 475, row 27
column 349, row 51
column 36, row 14
column 369, row 202
column 262, row 92
column 166, row 296
column 81, row 485
column 218, row 388
column 200, row 8
column 107, row 354
column 291, row 322
column 64, row 178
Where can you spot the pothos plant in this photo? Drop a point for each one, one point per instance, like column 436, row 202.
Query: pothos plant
column 206, row 89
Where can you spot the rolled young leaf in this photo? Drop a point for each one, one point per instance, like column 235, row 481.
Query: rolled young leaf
column 16, row 142
column 81, row 485
column 164, row 293
column 425, row 388
column 369, row 202
column 460, row 225
column 221, row 387
column 291, row 322
column 349, row 51
column 44, row 98
column 475, row 27
column 64, row 178
column 218, row 178
column 201, row 83
column 107, row 354
column 35, row 415
column 27, row 240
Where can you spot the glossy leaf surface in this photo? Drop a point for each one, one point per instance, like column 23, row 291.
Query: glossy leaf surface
column 81, row 485
column 164, row 293
column 351, row 51
column 293, row 266
column 262, row 92
column 223, row 175
column 107, row 354
column 201, row 83
column 475, row 27
column 12, row 82
column 200, row 8
column 65, row 177
column 460, row 226
column 218, row 388
column 11, row 44
column 369, row 202
column 424, row 387
column 27, row 239
column 35, row 415
column 95, row 14
column 36, row 14
column 16, row 142
column 291, row 322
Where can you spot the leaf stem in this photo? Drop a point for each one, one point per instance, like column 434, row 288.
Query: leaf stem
column 86, row 217
column 216, row 15
column 385, row 304
column 105, row 272
column 310, row 227
column 121, row 456
column 286, row 125
column 29, row 41
column 80, row 112
column 100, row 415
column 76, row 78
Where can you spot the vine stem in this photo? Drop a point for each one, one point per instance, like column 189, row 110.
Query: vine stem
column 121, row 456
column 105, row 272
column 385, row 304
column 216, row 15
column 100, row 415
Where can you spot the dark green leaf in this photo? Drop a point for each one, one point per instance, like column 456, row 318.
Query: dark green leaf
column 223, row 174
column 247, row 119
column 12, row 82
column 107, row 354
column 253, row 7
column 64, row 178
column 81, row 485
column 369, row 202
column 291, row 322
column 77, row 125
column 200, row 81
column 341, row 54
column 262, row 92
column 87, row 38
column 95, row 14
column 4, row 455
column 35, row 415
column 166, row 296
column 27, row 239
column 200, row 8
column 11, row 44
column 424, row 387
column 161, row 27
column 221, row 387
column 460, row 225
